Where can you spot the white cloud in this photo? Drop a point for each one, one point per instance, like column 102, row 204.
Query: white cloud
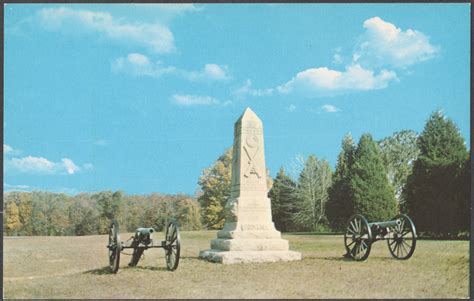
column 137, row 64
column 193, row 100
column 247, row 89
column 71, row 168
column 210, row 72
column 154, row 36
column 30, row 165
column 381, row 47
column 40, row 165
column 215, row 72
column 330, row 108
column 323, row 81
column 7, row 149
column 10, row 151
column 291, row 108
column 385, row 44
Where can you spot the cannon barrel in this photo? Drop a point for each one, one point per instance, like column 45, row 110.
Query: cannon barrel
column 386, row 224
column 144, row 234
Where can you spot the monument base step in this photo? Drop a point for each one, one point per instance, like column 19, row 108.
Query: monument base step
column 249, row 244
column 231, row 257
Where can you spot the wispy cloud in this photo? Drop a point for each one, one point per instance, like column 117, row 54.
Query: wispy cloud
column 291, row 108
column 337, row 57
column 88, row 166
column 384, row 44
column 330, row 108
column 194, row 100
column 170, row 10
column 7, row 149
column 209, row 72
column 40, row 165
column 100, row 142
column 247, row 89
column 137, row 64
column 155, row 37
column 323, row 81
column 15, row 187
column 26, row 188
column 10, row 151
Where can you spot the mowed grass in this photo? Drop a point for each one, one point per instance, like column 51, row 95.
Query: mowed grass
column 76, row 267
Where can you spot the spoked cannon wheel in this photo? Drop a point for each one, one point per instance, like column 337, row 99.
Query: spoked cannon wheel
column 358, row 238
column 114, row 247
column 172, row 246
column 402, row 240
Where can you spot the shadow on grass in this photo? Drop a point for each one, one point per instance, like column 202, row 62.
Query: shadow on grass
column 332, row 258
column 100, row 271
column 349, row 259
column 107, row 271
column 150, row 268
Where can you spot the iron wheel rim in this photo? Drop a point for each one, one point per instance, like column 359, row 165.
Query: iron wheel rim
column 358, row 238
column 114, row 247
column 173, row 246
column 403, row 242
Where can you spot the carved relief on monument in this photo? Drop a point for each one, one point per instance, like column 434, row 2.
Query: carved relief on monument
column 251, row 150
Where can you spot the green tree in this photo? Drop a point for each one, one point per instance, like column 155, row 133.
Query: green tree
column 215, row 186
column 83, row 216
column 282, row 196
column 463, row 197
column 373, row 195
column 312, row 194
column 433, row 191
column 399, row 151
column 109, row 204
column 340, row 202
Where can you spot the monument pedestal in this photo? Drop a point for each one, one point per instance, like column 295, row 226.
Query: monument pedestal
column 230, row 257
column 249, row 234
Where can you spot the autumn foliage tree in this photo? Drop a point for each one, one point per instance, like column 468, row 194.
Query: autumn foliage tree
column 215, row 186
column 48, row 213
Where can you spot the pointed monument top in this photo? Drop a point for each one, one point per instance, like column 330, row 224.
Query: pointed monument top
column 249, row 115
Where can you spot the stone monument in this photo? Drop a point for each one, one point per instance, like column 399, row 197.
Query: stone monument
column 249, row 234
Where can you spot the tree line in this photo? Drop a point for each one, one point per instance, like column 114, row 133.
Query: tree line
column 424, row 175
column 47, row 213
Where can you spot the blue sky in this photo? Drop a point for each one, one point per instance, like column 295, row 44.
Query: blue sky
column 143, row 97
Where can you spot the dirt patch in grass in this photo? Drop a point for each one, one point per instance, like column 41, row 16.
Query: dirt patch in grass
column 76, row 267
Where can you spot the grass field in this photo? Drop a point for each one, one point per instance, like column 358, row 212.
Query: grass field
column 76, row 267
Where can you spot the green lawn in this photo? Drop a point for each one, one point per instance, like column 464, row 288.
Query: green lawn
column 76, row 267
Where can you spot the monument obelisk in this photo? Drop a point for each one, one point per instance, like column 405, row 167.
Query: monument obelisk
column 249, row 234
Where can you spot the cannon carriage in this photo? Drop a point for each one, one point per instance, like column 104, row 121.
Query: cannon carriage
column 141, row 241
column 400, row 234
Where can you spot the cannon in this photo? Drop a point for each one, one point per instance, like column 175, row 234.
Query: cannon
column 142, row 240
column 399, row 232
